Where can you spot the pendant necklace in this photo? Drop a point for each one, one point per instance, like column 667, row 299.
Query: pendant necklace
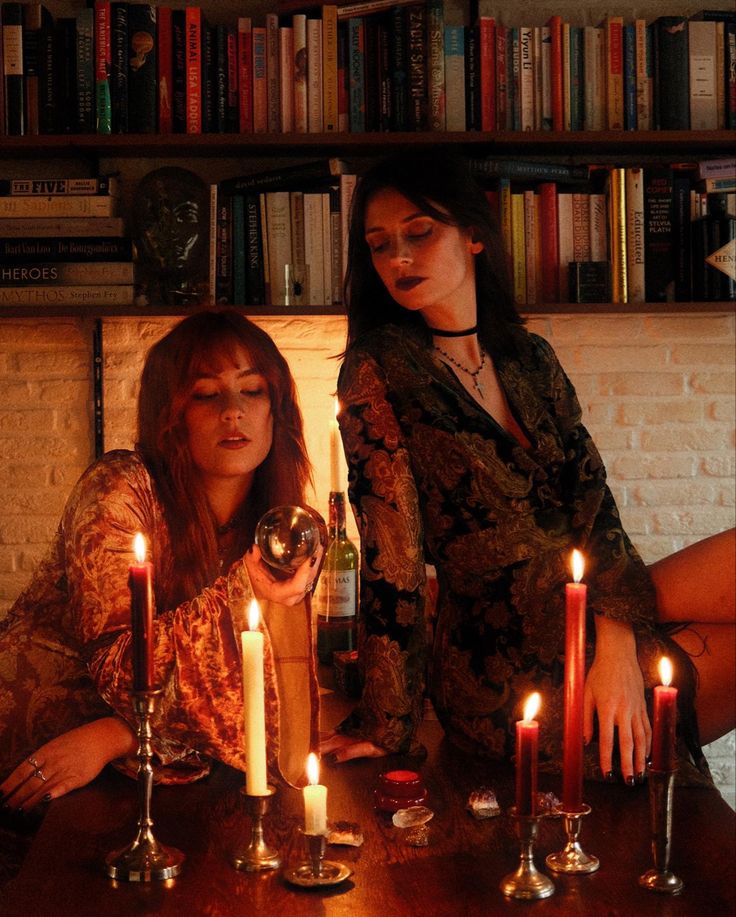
column 470, row 372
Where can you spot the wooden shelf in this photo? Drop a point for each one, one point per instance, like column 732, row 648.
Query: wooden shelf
column 90, row 311
column 568, row 144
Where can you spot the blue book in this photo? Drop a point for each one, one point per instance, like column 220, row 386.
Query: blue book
column 356, row 75
column 629, row 38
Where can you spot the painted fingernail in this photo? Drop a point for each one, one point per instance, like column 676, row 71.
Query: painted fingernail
column 610, row 777
column 640, row 777
column 630, row 780
column 46, row 797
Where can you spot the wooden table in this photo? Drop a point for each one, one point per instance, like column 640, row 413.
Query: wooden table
column 457, row 874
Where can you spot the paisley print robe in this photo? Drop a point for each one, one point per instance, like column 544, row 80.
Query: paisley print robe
column 434, row 480
column 65, row 645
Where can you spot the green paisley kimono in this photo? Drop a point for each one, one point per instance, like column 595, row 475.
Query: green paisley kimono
column 435, row 480
column 65, row 645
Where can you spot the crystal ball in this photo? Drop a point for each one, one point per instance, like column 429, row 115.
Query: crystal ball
column 287, row 536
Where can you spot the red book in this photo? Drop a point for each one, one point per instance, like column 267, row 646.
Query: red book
column 555, row 35
column 193, row 33
column 245, row 75
column 164, row 65
column 549, row 260
column 260, row 81
column 502, row 108
column 487, row 41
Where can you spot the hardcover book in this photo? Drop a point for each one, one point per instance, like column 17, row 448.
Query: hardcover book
column 142, row 70
column 671, row 74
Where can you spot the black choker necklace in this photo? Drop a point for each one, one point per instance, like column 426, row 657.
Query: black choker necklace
column 441, row 333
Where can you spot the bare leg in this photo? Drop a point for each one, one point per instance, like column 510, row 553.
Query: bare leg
column 698, row 585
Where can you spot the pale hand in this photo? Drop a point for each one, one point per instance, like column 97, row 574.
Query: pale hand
column 338, row 748
column 67, row 762
column 614, row 690
column 291, row 591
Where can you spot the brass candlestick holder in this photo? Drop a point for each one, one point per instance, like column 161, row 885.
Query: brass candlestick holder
column 257, row 855
column 527, row 883
column 145, row 858
column 661, row 878
column 317, row 870
column 572, row 858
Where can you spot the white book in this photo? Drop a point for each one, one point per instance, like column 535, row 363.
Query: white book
column 635, row 234
column 595, row 88
column 598, row 228
column 299, row 25
column 702, row 44
column 278, row 228
column 326, row 248
column 314, row 76
column 538, row 77
column 313, row 240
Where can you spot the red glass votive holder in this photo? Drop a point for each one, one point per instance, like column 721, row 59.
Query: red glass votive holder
column 399, row 790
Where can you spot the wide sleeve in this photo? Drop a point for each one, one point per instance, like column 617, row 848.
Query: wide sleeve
column 196, row 652
column 383, row 493
column 619, row 585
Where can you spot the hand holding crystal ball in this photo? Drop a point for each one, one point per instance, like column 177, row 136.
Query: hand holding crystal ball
column 287, row 536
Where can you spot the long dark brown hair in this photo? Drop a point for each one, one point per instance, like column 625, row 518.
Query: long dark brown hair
column 440, row 184
column 197, row 344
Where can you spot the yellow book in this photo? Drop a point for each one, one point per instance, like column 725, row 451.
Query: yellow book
column 329, row 67
column 617, row 234
column 518, row 242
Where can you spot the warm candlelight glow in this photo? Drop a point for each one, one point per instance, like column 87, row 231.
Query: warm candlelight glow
column 531, row 707
column 312, row 769
column 139, row 547
column 337, row 408
column 254, row 615
column 665, row 671
column 578, row 565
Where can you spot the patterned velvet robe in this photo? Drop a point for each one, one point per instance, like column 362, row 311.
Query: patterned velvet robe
column 65, row 645
column 435, row 480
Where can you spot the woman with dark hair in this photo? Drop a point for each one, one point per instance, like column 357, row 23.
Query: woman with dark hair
column 220, row 441
column 467, row 452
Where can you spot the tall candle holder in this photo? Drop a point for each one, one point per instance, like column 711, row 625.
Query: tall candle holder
column 661, row 878
column 144, row 858
column 572, row 858
column 527, row 883
column 317, row 870
column 257, row 855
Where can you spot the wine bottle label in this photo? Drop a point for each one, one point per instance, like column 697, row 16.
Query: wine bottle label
column 336, row 592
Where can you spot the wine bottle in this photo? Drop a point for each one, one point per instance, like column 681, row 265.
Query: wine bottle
column 336, row 598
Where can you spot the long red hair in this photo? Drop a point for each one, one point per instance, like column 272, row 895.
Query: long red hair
column 196, row 344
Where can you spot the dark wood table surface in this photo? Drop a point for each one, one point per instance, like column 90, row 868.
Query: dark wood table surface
column 457, row 874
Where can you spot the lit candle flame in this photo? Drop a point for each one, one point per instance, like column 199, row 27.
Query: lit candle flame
column 312, row 769
column 665, row 671
column 578, row 565
column 531, row 707
column 139, row 547
column 254, row 615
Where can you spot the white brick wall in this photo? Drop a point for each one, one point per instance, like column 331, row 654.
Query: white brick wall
column 657, row 393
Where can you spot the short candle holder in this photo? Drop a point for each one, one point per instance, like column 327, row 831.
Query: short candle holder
column 661, row 878
column 527, row 883
column 572, row 858
column 257, row 855
column 317, row 870
column 144, row 858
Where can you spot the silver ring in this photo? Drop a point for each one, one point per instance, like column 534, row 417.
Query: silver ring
column 32, row 761
column 39, row 773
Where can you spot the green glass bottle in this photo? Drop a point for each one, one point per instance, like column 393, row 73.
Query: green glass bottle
column 336, row 598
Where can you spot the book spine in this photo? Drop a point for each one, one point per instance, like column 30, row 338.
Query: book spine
column 513, row 78
column 526, row 78
column 531, row 246
column 301, row 117
column 671, row 85
column 565, row 242
column 643, row 77
column 164, row 70
column 729, row 67
column 35, row 18
column 224, row 251
column 240, row 252
column 591, row 73
column 581, row 226
column 298, row 260
column 330, row 106
column 702, row 44
column 617, row 234
column 629, row 38
column 614, row 74
column 103, row 65
column 179, row 71
column 57, row 206
column 549, row 264
column 399, row 69
column 356, row 89
column 658, row 249
column 286, row 79
column 193, row 62
column 278, row 228
column 371, row 75
column 518, row 248
column 348, row 184
column 314, row 76
column 87, row 295
column 142, row 70
column 260, row 81
column 85, row 72
column 272, row 72
column 313, row 238
column 487, row 60
column 598, row 228
column 472, row 80
column 326, row 248
column 502, row 94
column 343, row 89
column 43, row 187
column 577, row 102
column 417, row 60
column 24, row 250
column 207, row 77
column 12, row 41
column 232, row 114
column 255, row 285
column 635, row 273
column 455, row 77
column 64, row 272
column 335, row 245
column 65, row 40
column 546, row 90
column 245, row 75
column 119, row 67
column 566, row 78
column 681, row 235
column 528, row 170
column 436, row 64
column 555, row 38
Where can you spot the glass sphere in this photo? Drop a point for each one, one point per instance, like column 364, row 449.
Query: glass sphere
column 286, row 537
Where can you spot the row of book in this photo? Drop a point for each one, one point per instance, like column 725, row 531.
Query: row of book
column 385, row 65
column 63, row 244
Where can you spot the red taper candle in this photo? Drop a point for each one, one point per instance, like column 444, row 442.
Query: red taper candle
column 527, row 750
column 665, row 720
column 572, row 766
column 140, row 582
